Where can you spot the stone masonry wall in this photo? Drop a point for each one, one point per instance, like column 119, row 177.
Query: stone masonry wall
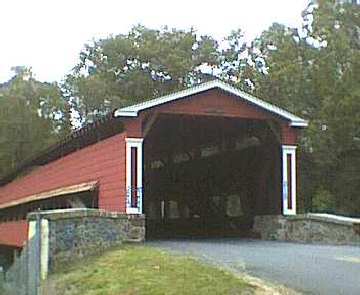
column 309, row 228
column 77, row 233
column 59, row 237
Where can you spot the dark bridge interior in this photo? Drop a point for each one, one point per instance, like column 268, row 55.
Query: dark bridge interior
column 209, row 176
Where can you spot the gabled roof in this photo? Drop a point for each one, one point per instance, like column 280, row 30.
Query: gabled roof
column 133, row 111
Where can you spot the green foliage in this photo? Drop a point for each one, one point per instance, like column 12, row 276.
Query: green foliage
column 142, row 64
column 323, row 201
column 315, row 72
column 346, row 184
column 32, row 116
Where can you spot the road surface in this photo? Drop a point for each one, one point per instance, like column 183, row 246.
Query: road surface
column 309, row 269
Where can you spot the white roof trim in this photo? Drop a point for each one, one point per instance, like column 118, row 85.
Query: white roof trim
column 77, row 188
column 133, row 111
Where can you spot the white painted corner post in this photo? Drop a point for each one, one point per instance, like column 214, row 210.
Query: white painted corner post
column 289, row 179
column 134, row 175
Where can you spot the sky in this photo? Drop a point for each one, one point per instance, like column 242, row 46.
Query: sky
column 48, row 35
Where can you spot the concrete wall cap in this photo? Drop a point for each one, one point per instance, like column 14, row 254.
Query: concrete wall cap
column 326, row 218
column 80, row 212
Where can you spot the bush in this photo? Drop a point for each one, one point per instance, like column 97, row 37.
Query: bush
column 323, row 201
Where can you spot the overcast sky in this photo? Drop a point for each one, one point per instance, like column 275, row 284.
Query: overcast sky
column 49, row 34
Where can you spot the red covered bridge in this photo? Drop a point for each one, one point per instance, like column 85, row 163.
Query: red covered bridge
column 203, row 160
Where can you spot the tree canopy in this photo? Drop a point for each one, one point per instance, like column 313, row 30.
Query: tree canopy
column 315, row 73
column 33, row 115
column 142, row 64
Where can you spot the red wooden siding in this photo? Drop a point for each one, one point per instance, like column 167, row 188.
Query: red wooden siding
column 288, row 135
column 103, row 161
column 14, row 233
column 215, row 103
column 133, row 126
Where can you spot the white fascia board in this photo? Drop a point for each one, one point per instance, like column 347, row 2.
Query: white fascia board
column 120, row 113
column 133, row 111
column 134, row 141
column 303, row 123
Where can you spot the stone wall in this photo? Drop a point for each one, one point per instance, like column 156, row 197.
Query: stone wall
column 309, row 228
column 59, row 237
column 77, row 233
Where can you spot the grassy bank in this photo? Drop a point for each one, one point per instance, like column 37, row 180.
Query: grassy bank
column 143, row 270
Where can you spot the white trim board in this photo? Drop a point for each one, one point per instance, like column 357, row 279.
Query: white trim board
column 133, row 111
column 77, row 188
column 138, row 144
column 289, row 150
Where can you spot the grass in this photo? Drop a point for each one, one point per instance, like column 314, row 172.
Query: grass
column 143, row 270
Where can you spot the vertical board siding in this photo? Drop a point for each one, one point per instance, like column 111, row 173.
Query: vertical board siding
column 216, row 103
column 289, row 135
column 103, row 161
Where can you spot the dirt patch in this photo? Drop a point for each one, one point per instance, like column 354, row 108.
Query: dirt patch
column 267, row 288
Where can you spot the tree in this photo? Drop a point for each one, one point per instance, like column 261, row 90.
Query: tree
column 339, row 25
column 236, row 62
column 32, row 116
column 142, row 64
column 315, row 72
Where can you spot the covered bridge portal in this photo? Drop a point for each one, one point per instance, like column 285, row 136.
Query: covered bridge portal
column 208, row 159
column 201, row 161
column 209, row 175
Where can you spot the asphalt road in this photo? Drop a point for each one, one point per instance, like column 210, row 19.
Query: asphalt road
column 309, row 269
